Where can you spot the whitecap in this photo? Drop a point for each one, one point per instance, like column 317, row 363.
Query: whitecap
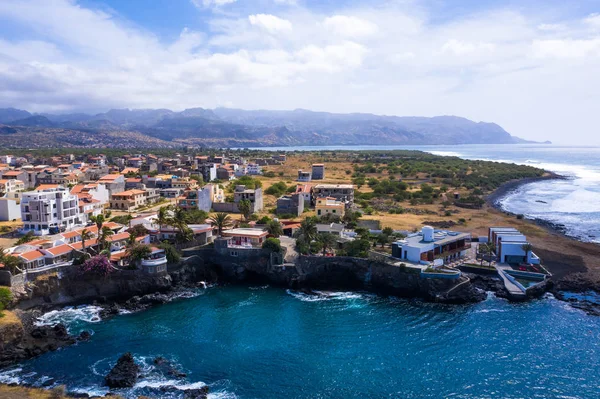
column 317, row 296
column 70, row 315
column 11, row 376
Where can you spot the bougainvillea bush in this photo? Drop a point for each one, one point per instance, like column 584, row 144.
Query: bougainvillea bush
column 98, row 265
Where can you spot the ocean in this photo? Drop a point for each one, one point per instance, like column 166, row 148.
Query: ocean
column 264, row 342
column 573, row 203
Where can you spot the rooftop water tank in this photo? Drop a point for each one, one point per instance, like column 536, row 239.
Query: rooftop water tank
column 427, row 233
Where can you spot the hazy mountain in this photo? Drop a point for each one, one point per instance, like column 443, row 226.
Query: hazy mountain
column 235, row 127
column 8, row 115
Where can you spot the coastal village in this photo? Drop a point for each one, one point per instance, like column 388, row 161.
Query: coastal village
column 142, row 212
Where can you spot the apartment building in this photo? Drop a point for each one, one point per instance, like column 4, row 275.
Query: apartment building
column 50, row 211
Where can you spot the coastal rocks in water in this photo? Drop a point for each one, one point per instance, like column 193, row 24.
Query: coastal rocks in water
column 167, row 367
column 33, row 342
column 200, row 393
column 84, row 336
column 124, row 374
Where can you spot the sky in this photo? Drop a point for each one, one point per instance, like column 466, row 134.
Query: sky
column 531, row 66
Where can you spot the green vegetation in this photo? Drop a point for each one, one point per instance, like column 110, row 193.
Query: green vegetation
column 26, row 238
column 5, row 299
column 272, row 244
column 221, row 221
column 274, row 228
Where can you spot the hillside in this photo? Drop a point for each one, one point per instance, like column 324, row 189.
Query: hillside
column 224, row 127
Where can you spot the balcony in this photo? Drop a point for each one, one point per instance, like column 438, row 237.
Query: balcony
column 159, row 261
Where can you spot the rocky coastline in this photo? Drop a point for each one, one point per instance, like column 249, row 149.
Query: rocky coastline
column 116, row 296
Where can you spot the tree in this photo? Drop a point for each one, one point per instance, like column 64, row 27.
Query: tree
column 388, row 231
column 26, row 238
column 358, row 248
column 103, row 237
column 5, row 299
column 138, row 230
column 98, row 265
column 138, row 252
column 11, row 263
column 306, row 234
column 527, row 247
column 99, row 220
column 221, row 221
column 383, row 239
column 272, row 244
column 245, row 208
column 163, row 217
column 327, row 241
column 85, row 235
column 173, row 256
column 274, row 228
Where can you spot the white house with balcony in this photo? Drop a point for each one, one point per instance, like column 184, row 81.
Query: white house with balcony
column 156, row 262
column 430, row 245
column 50, row 211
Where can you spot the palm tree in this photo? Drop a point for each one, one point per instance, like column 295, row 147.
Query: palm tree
column 12, row 263
column 99, row 220
column 103, row 236
column 85, row 235
column 274, row 228
column 307, row 233
column 221, row 221
column 163, row 217
column 527, row 247
column 327, row 241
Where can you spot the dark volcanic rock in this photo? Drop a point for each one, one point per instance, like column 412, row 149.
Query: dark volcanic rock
column 124, row 374
column 201, row 393
column 84, row 336
column 33, row 342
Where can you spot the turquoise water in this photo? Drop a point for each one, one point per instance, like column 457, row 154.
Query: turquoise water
column 261, row 342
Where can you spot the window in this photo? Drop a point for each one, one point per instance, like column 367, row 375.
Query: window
column 233, row 253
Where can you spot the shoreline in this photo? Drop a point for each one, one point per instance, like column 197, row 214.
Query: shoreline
column 494, row 199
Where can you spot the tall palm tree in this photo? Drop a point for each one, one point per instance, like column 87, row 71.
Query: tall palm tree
column 103, row 236
column 274, row 228
column 99, row 220
column 527, row 247
column 307, row 232
column 85, row 235
column 163, row 217
column 327, row 241
column 221, row 221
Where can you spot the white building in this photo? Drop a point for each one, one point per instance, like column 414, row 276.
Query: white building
column 50, row 211
column 509, row 243
column 9, row 210
column 430, row 245
column 254, row 169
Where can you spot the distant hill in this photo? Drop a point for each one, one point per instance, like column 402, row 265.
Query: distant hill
column 226, row 127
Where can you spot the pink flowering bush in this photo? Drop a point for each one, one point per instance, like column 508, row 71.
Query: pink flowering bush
column 98, row 265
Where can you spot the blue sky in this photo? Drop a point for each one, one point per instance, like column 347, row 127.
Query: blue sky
column 530, row 66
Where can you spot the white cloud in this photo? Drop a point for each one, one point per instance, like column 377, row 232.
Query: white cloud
column 551, row 27
column 534, row 77
column 593, row 20
column 459, row 47
column 350, row 26
column 211, row 3
column 270, row 23
column 566, row 48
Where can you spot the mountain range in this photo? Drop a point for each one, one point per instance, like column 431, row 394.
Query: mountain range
column 225, row 127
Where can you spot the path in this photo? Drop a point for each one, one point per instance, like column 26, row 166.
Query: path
column 512, row 288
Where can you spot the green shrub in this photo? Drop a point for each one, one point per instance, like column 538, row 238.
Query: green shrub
column 272, row 244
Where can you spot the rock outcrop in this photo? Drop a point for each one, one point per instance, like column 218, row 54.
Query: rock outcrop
column 124, row 374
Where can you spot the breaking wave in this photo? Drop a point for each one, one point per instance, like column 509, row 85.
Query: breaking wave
column 70, row 315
